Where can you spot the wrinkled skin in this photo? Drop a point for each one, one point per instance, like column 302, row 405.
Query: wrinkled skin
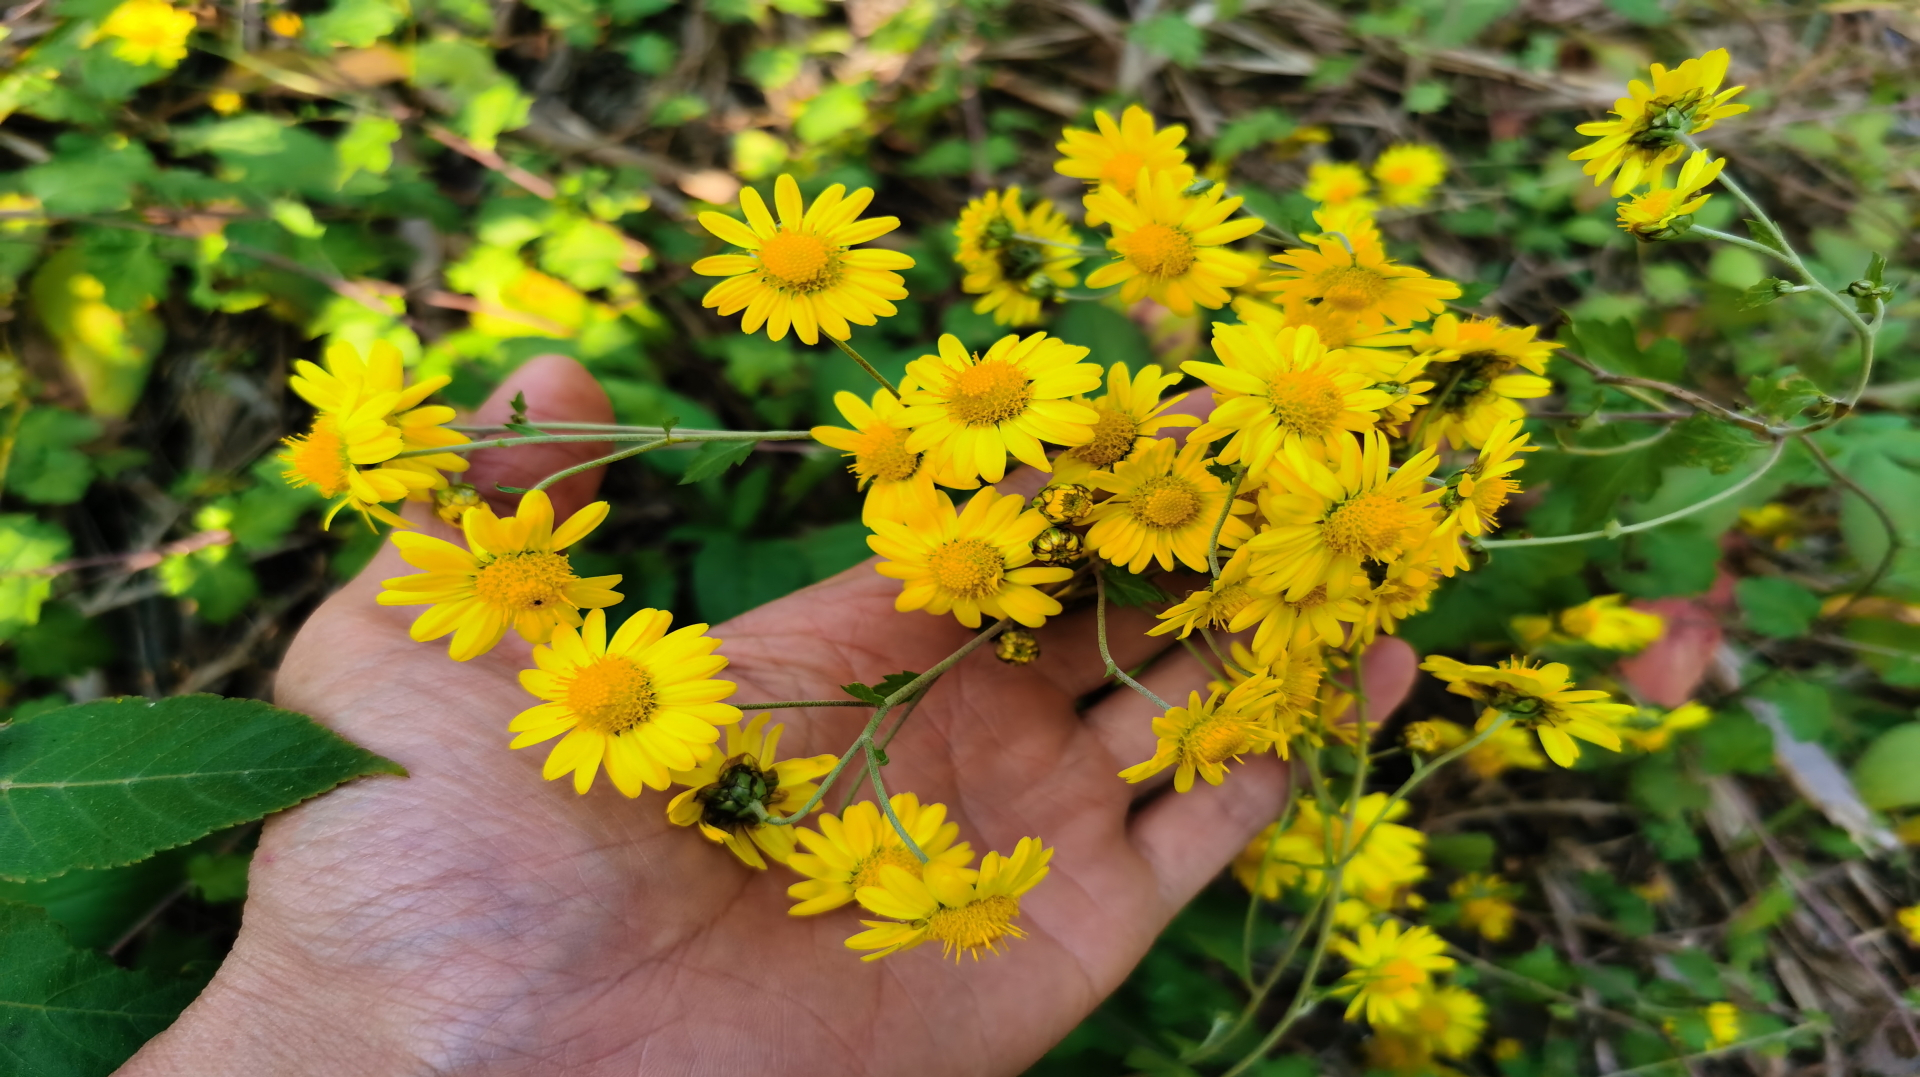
column 474, row 919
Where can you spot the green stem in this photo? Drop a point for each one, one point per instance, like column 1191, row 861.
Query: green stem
column 603, row 461
column 785, row 703
column 1100, row 632
column 866, row 366
column 886, row 806
column 676, row 437
column 1226, row 510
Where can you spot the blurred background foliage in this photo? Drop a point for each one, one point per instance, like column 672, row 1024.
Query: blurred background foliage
column 480, row 182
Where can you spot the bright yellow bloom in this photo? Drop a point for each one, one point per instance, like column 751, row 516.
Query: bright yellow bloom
column 1408, row 172
column 1385, row 857
column 1649, row 126
column 149, row 32
column 1164, row 508
column 1609, row 623
column 1218, row 605
column 1353, row 275
column 1509, row 747
column 899, row 484
column 1723, row 1023
column 1327, row 523
column 1483, row 489
column 1011, row 274
column 286, row 24
column 1391, row 969
column 225, row 102
column 1651, row 733
column 644, row 703
column 965, row 913
column 1486, row 904
column 1655, row 213
column 1203, row 737
column 1130, row 411
column 968, row 412
column 513, row 574
column 1338, row 183
column 1540, row 698
column 1909, row 918
column 1115, row 154
column 1170, row 245
column 1445, row 1021
column 803, row 271
column 1273, row 390
column 977, row 561
column 727, row 787
column 1481, row 367
column 849, row 850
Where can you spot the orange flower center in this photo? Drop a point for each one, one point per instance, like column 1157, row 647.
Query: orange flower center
column 1165, row 502
column 1398, row 975
column 1216, row 738
column 1123, row 171
column 990, row 393
column 803, row 262
column 318, row 458
column 967, row 567
column 612, row 695
column 884, row 456
column 867, row 871
column 1113, row 437
column 1306, row 402
column 525, row 580
column 1351, row 288
column 1157, row 250
column 1367, row 525
column 977, row 925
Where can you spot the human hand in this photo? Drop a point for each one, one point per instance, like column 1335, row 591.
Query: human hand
column 473, row 919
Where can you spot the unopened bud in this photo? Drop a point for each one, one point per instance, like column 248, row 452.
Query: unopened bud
column 451, row 502
column 1422, row 737
column 1016, row 647
column 1064, row 503
column 1057, row 546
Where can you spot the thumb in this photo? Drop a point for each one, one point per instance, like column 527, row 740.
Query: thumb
column 557, row 389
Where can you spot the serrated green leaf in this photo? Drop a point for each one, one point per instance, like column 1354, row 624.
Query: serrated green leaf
column 116, row 780
column 1877, row 269
column 1767, row 235
column 1759, row 295
column 73, row 1012
column 715, row 457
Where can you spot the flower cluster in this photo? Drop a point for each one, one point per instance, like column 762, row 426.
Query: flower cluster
column 1651, row 129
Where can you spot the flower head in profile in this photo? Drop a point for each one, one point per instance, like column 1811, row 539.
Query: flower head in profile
column 972, row 562
column 1446, row 1021
column 1480, row 368
column 964, row 911
column 970, row 411
column 514, row 574
column 732, row 792
column 148, row 32
column 1382, row 856
column 1663, row 212
column 1164, row 507
column 849, row 850
column 1609, row 623
column 1408, row 172
column 1649, row 126
column 899, row 484
column 643, row 703
column 1339, row 183
column 1540, row 698
column 1486, row 904
column 1390, row 969
column 1203, row 737
column 1327, row 522
column 1272, row 390
column 807, row 270
column 1129, row 412
column 1014, row 257
column 1351, row 274
column 1652, row 731
column 1114, row 154
column 1170, row 245
column 1228, row 600
column 1479, row 492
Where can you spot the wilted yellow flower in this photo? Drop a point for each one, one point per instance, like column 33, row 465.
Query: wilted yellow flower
column 732, row 792
column 1486, row 904
column 1540, row 698
column 1650, row 125
column 149, row 32
column 1391, row 969
column 976, row 561
column 1010, row 272
column 1408, row 172
column 1114, row 154
column 965, row 911
column 1171, row 246
column 1662, row 212
column 849, row 850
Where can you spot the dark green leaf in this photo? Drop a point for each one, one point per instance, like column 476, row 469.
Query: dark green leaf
column 1734, row 743
column 116, row 780
column 220, row 876
column 1704, row 441
column 47, row 468
column 877, row 694
column 1128, row 589
column 1469, row 851
column 1776, row 606
column 1252, row 129
column 64, row 644
column 1767, row 235
column 715, row 457
column 1783, row 394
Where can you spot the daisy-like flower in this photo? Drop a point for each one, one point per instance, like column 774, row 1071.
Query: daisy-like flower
column 1480, row 368
column 1353, row 275
column 803, row 272
column 966, row 913
column 1540, row 698
column 1391, row 969
column 1408, row 172
column 899, row 484
column 1164, row 507
column 513, row 574
column 1272, row 390
column 1723, row 1023
column 148, row 32
column 968, row 412
column 1010, row 273
column 977, row 561
column 1607, row 622
column 1445, row 1020
column 1338, row 183
column 1203, row 737
column 643, row 703
column 731, row 793
column 1663, row 212
column 1131, row 410
column 1218, row 605
column 1382, row 856
column 848, row 850
column 1170, row 245
column 1486, row 904
column 1114, row 154
column 1478, row 493
column 1326, row 523
column 1651, row 732
column 1322, row 613
column 1649, row 126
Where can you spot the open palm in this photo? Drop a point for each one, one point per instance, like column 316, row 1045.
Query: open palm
column 474, row 919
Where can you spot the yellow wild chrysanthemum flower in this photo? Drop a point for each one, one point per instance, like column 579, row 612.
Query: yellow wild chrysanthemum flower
column 1218, row 606
column 1203, row 737
column 1408, row 172
column 849, row 850
column 1011, row 273
column 1164, row 508
column 1509, row 747
column 899, row 483
column 1654, row 732
column 1339, row 183
column 1391, row 969
column 1657, row 212
column 965, row 912
column 1609, row 623
column 1382, row 858
column 1445, row 1021
column 1170, row 245
column 1114, row 154
column 1540, row 698
column 1272, row 390
column 286, row 23
column 1483, row 489
column 148, row 32
column 1649, row 126
column 968, row 412
column 513, row 574
column 802, row 272
column 732, row 792
column 1909, row 920
column 1486, row 904
column 644, row 703
column 977, row 561
column 1130, row 412
column 1353, row 275
column 1327, row 522
column 1723, row 1023
column 1480, row 367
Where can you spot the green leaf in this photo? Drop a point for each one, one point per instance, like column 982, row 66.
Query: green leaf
column 26, row 545
column 64, row 644
column 1468, row 851
column 1776, row 607
column 220, row 876
column 715, row 457
column 1643, row 12
column 1888, row 773
column 46, row 467
column 1127, row 589
column 355, row 23
column 1253, row 129
column 838, row 109
column 1169, row 34
column 73, row 1013
column 1767, row 236
column 116, row 780
column 1762, row 293
column 1701, row 440
column 1615, row 345
column 1734, row 743
column 1427, row 95
column 652, row 54
column 877, row 693
column 1784, row 394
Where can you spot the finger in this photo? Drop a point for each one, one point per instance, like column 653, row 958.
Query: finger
column 1387, row 669
column 1123, row 721
column 558, row 390
column 1188, row 837
column 1070, row 645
